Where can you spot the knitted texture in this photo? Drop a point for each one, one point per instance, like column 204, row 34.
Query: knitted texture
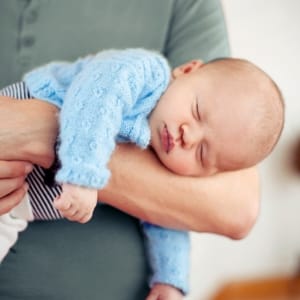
column 168, row 251
column 103, row 99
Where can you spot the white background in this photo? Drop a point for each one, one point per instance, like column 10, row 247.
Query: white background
column 266, row 32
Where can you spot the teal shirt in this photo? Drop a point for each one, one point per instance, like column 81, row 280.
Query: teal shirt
column 35, row 32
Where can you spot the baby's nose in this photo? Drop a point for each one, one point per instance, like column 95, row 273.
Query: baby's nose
column 189, row 136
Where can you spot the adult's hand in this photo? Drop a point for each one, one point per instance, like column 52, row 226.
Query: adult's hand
column 13, row 137
column 12, row 184
column 28, row 133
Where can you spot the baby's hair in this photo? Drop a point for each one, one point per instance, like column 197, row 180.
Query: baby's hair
column 270, row 111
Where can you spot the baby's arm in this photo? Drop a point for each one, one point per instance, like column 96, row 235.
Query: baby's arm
column 87, row 139
column 168, row 252
column 92, row 117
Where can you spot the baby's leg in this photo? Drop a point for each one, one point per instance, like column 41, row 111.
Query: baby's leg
column 42, row 192
column 12, row 223
column 168, row 251
column 36, row 205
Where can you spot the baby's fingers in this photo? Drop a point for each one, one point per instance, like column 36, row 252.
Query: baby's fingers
column 85, row 218
column 79, row 216
column 63, row 204
column 71, row 213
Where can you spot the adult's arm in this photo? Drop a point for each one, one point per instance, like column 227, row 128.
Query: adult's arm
column 225, row 204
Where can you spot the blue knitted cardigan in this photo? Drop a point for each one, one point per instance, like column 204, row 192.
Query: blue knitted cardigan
column 104, row 99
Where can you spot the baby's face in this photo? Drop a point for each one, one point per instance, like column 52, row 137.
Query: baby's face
column 200, row 127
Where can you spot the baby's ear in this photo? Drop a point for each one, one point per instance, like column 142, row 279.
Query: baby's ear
column 189, row 67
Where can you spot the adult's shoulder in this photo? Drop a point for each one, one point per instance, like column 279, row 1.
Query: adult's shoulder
column 197, row 31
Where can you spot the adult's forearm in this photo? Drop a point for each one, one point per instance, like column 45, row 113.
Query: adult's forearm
column 226, row 203
column 28, row 130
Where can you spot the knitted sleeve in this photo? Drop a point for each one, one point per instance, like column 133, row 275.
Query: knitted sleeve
column 91, row 115
column 169, row 254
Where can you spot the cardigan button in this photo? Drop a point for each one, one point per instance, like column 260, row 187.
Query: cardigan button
column 28, row 41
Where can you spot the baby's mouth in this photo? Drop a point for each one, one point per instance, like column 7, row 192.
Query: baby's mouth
column 167, row 140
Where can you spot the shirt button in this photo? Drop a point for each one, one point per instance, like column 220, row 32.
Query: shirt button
column 31, row 17
column 28, row 41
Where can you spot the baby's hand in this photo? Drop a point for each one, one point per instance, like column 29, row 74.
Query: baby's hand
column 76, row 203
column 162, row 291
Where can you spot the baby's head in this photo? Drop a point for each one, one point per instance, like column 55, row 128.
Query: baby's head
column 220, row 116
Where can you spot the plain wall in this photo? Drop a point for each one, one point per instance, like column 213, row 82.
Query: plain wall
column 267, row 33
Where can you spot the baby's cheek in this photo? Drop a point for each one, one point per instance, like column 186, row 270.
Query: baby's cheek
column 179, row 165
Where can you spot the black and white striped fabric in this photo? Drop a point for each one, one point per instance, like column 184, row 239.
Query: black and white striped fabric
column 40, row 194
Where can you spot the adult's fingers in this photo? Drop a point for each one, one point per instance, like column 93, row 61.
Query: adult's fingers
column 12, row 169
column 11, row 200
column 7, row 186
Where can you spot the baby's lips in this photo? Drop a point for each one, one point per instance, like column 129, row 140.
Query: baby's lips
column 171, row 142
column 167, row 140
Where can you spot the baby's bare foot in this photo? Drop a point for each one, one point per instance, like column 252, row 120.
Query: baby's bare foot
column 162, row 291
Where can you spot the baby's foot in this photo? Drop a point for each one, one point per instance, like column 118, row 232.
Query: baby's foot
column 162, row 291
column 76, row 203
